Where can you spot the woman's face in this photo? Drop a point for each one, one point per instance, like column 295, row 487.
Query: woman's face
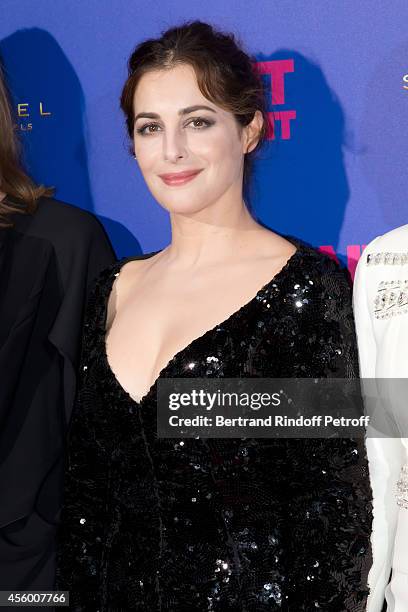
column 180, row 139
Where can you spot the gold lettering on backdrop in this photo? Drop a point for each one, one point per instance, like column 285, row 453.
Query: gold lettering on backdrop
column 405, row 79
column 26, row 109
column 21, row 109
column 42, row 112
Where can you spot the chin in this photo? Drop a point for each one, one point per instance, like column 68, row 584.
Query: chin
column 182, row 205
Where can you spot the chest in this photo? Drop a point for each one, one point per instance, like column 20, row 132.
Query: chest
column 150, row 331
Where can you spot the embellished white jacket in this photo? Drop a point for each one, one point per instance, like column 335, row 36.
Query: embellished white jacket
column 380, row 302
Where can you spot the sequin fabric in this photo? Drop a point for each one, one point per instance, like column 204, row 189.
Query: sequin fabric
column 234, row 525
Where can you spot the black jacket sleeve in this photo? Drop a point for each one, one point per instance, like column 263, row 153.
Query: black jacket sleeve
column 48, row 263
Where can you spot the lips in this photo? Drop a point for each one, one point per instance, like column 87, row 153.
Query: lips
column 178, row 178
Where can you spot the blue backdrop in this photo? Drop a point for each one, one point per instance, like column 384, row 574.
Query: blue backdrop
column 335, row 175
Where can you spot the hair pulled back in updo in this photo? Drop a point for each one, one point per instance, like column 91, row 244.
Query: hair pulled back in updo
column 226, row 74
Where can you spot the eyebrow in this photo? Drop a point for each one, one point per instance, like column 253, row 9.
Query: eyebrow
column 182, row 111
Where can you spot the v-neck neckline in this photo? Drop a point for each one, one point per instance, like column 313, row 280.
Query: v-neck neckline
column 276, row 278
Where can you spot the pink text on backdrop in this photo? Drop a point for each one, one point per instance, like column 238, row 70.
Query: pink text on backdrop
column 277, row 69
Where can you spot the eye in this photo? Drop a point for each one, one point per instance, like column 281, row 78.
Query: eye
column 201, row 120
column 142, row 130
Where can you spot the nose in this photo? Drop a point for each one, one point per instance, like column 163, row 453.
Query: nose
column 174, row 145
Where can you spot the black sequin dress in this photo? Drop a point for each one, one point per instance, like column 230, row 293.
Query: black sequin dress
column 234, row 525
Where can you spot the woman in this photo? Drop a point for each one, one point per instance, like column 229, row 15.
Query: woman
column 158, row 524
column 50, row 253
column 380, row 306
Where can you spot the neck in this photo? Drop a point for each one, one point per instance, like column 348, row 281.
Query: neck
column 216, row 233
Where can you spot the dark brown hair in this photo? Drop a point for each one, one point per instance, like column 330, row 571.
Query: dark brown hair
column 225, row 74
column 21, row 192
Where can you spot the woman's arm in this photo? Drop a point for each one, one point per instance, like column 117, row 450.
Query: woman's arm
column 385, row 455
column 330, row 503
column 88, row 470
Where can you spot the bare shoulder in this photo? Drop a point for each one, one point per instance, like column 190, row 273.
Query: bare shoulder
column 275, row 246
column 130, row 276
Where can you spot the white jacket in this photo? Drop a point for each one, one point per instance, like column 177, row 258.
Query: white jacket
column 382, row 333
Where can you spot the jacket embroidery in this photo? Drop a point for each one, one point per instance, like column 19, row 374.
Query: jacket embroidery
column 391, row 299
column 387, row 258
